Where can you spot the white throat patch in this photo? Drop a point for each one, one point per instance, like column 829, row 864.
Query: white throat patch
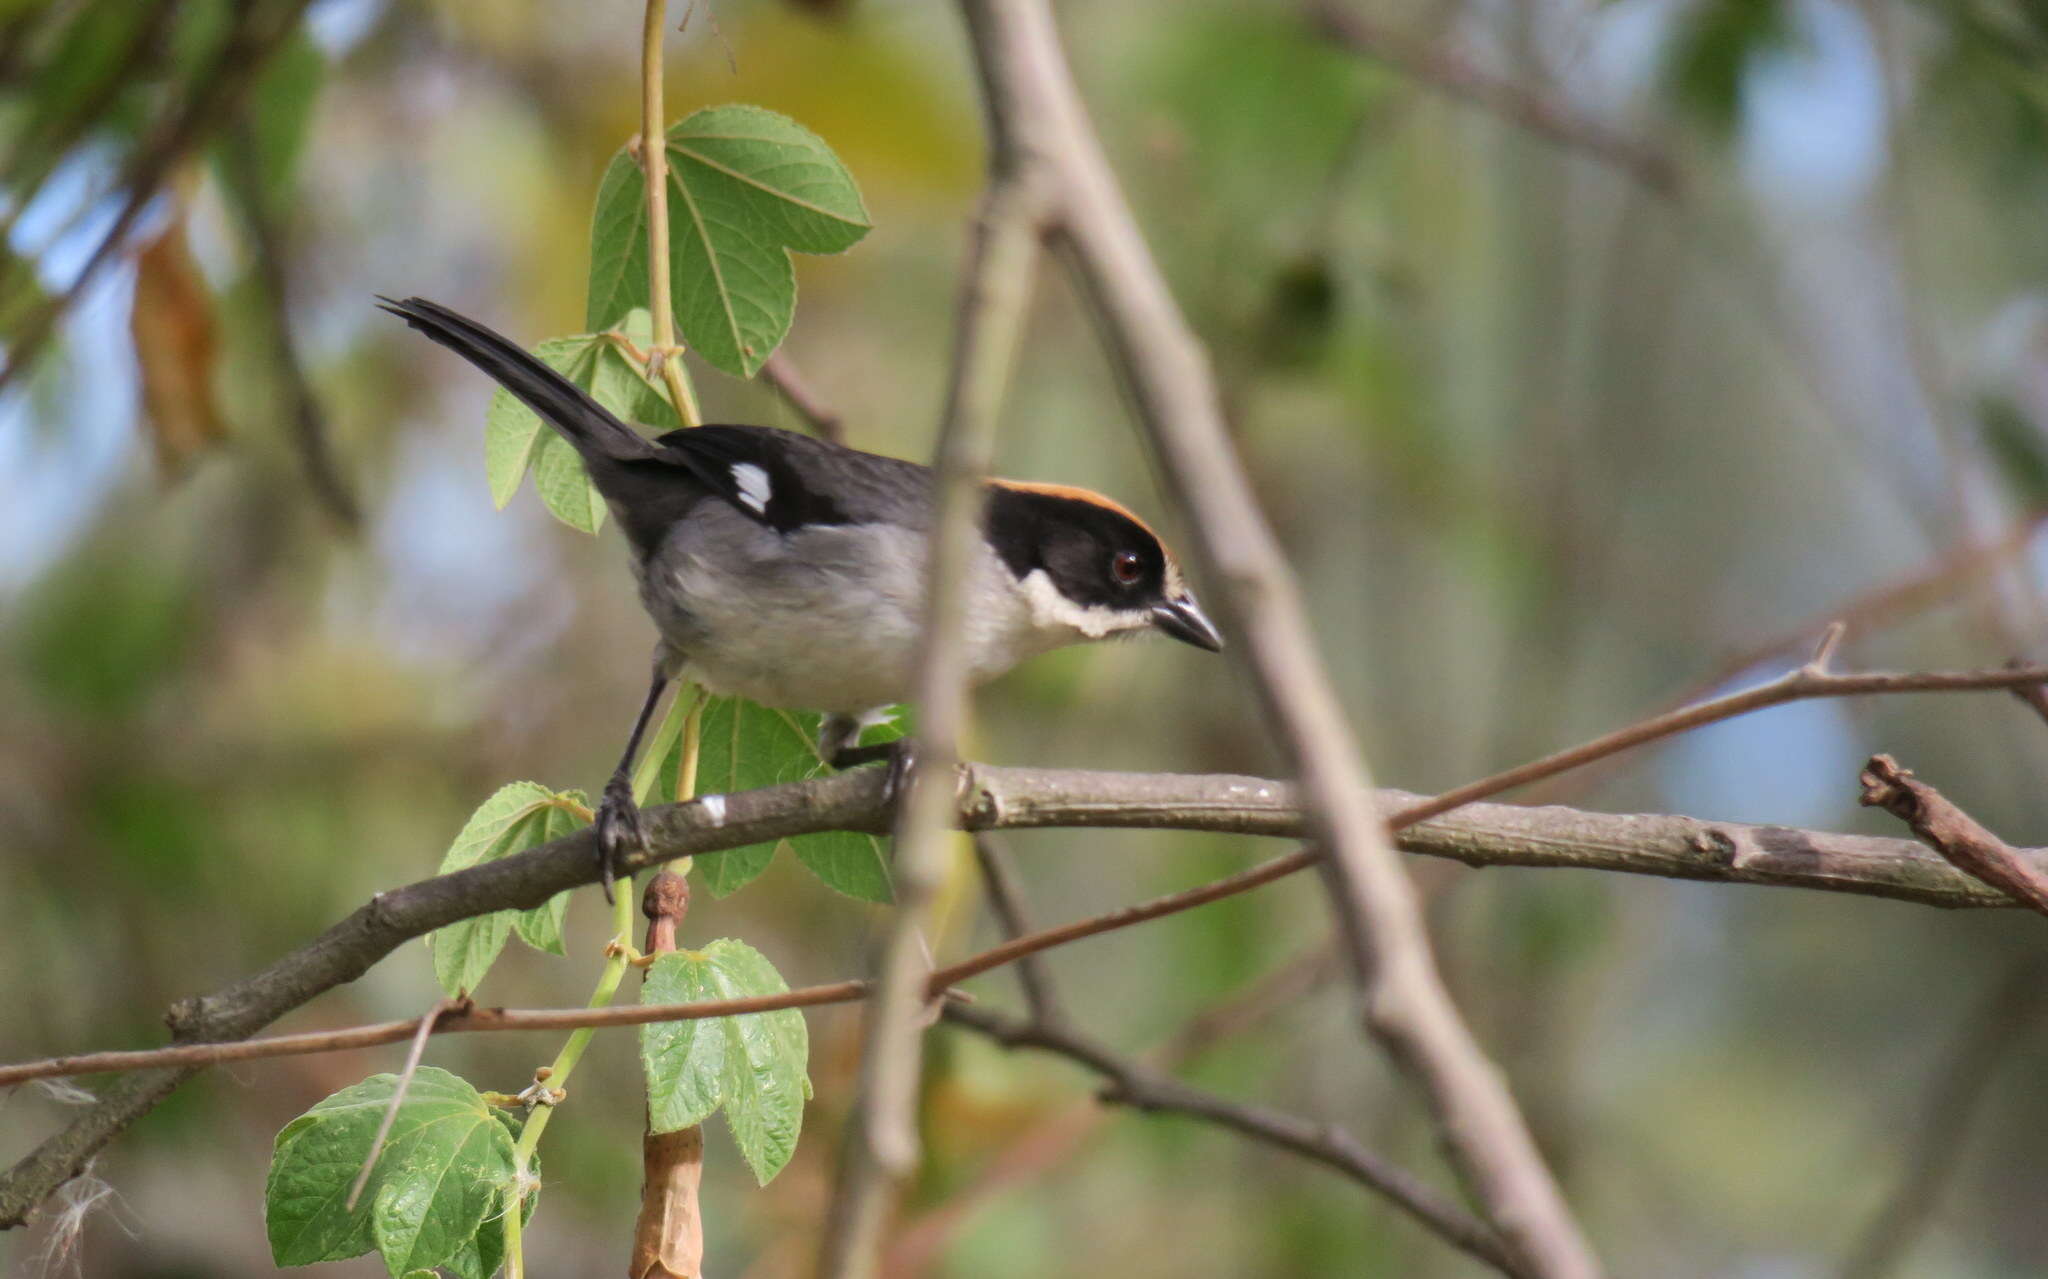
column 1053, row 613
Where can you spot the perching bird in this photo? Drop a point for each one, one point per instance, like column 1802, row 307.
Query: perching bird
column 791, row 570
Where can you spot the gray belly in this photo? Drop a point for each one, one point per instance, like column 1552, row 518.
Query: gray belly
column 821, row 619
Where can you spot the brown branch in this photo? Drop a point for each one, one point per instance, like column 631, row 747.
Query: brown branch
column 780, row 372
column 1957, row 1094
column 1953, row 833
column 308, row 419
column 1142, row 1088
column 1804, row 684
column 996, row 798
column 1518, row 104
column 668, row 1235
column 1006, row 903
column 1178, row 405
column 420, row 1036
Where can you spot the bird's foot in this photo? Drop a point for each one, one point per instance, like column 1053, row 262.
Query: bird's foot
column 619, row 831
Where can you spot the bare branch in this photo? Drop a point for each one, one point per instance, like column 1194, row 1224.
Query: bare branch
column 1804, row 684
column 780, row 372
column 309, row 421
column 1177, row 402
column 1953, row 833
column 1524, row 107
column 1939, row 580
column 1141, row 1087
column 1006, row 902
column 1020, row 798
column 398, row 1091
column 881, row 1148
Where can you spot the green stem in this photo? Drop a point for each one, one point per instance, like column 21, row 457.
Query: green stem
column 617, row 957
column 654, row 164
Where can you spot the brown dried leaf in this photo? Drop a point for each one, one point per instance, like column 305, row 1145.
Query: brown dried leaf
column 173, row 327
column 668, row 1238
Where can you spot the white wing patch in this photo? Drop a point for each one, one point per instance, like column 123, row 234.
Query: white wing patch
column 753, row 485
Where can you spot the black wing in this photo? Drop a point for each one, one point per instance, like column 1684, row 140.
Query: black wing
column 786, row 480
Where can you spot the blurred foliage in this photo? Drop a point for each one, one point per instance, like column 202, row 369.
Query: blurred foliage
column 1543, row 447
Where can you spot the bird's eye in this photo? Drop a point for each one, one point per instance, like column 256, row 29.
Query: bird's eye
column 1126, row 567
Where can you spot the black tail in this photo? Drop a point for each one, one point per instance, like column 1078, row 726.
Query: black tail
column 597, row 435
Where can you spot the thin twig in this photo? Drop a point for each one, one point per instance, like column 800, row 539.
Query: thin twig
column 1956, row 1096
column 1138, row 1086
column 780, row 372
column 309, row 421
column 1518, row 104
column 1927, row 585
column 918, row 1245
column 1810, row 681
column 1006, row 902
column 1953, row 833
column 412, row 1065
column 881, row 1148
column 2035, row 696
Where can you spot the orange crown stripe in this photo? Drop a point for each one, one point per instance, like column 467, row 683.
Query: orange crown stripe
column 1073, row 494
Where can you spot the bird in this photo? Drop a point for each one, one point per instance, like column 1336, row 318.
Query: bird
column 790, row 570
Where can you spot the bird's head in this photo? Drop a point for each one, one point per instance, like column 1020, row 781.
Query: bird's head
column 1086, row 565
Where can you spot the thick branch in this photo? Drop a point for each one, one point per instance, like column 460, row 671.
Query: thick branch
column 1178, row 406
column 996, row 798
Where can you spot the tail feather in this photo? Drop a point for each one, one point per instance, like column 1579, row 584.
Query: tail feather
column 596, row 434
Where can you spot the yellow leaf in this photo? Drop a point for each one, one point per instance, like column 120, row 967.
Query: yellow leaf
column 173, row 327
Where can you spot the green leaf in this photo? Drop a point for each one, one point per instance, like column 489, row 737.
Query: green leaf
column 541, row 927
column 564, row 487
column 849, row 861
column 516, row 440
column 746, row 186
column 465, row 950
column 513, row 432
column 744, row 746
column 765, row 1082
column 684, row 1060
column 519, row 816
column 446, row 1168
column 618, row 244
column 735, row 868
column 752, row 1066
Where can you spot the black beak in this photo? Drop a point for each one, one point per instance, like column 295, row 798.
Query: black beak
column 1183, row 619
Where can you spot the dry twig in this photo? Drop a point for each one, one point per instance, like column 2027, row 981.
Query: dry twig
column 1953, row 833
column 881, row 1147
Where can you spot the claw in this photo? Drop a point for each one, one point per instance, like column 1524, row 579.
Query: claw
column 902, row 758
column 618, row 829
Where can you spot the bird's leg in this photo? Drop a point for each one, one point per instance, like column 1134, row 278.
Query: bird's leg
column 838, row 745
column 618, row 817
